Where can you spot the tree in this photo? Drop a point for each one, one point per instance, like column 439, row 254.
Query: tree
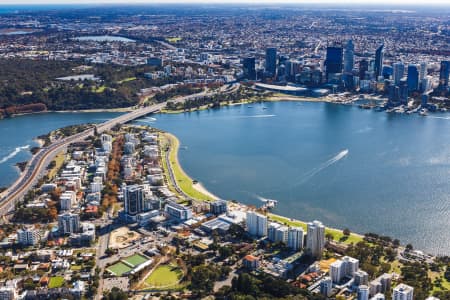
column 329, row 236
column 203, row 278
column 116, row 294
column 346, row 232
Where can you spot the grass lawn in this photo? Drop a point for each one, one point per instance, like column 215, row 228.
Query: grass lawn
column 445, row 285
column 166, row 276
column 75, row 268
column 173, row 39
column 119, row 269
column 396, row 266
column 182, row 179
column 56, row 282
column 337, row 234
column 99, row 89
column 135, row 260
column 59, row 159
column 126, row 80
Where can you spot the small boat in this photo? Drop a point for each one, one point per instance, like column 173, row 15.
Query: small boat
column 249, row 106
column 264, row 107
column 268, row 203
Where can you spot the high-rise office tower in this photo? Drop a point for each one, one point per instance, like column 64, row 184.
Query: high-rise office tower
column 271, row 61
column 133, row 197
column 444, row 74
column 363, row 68
column 399, row 71
column 413, row 77
column 333, row 61
column 423, row 70
column 315, row 238
column 403, row 91
column 379, row 53
column 248, row 66
column 349, row 54
column 403, row 292
column 256, row 224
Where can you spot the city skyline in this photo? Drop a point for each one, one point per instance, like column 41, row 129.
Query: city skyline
column 245, row 2
column 185, row 150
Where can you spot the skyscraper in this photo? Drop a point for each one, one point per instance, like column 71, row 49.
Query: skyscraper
column 315, row 238
column 133, row 198
column 423, row 70
column 413, row 78
column 248, row 67
column 271, row 61
column 399, row 71
column 363, row 68
column 444, row 74
column 256, row 224
column 403, row 91
column 403, row 292
column 349, row 61
column 379, row 53
column 333, row 61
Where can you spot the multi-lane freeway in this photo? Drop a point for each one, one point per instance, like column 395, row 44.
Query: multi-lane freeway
column 36, row 168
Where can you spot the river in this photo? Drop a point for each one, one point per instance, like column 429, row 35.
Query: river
column 365, row 170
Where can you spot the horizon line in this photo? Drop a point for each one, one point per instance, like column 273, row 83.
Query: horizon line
column 375, row 3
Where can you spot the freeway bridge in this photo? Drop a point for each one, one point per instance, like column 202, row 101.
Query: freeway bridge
column 36, row 167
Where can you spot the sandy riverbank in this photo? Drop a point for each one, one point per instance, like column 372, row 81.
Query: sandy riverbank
column 39, row 141
column 199, row 187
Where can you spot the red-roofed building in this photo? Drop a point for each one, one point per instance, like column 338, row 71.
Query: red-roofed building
column 91, row 210
column 251, row 262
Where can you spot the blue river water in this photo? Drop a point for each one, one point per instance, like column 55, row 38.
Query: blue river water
column 365, row 170
column 17, row 136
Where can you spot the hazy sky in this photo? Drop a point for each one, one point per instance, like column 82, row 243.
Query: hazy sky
column 409, row 2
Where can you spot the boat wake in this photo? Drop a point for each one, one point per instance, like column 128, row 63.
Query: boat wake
column 262, row 199
column 308, row 175
column 258, row 116
column 323, row 166
column 437, row 117
column 14, row 153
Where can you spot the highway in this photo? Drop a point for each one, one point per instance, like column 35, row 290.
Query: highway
column 36, row 167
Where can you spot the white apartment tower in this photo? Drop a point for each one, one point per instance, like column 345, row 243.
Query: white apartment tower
column 295, row 238
column 256, row 224
column 69, row 223
column 363, row 292
column 403, row 292
column 315, row 238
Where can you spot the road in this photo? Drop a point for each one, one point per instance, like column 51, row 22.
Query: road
column 36, row 168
